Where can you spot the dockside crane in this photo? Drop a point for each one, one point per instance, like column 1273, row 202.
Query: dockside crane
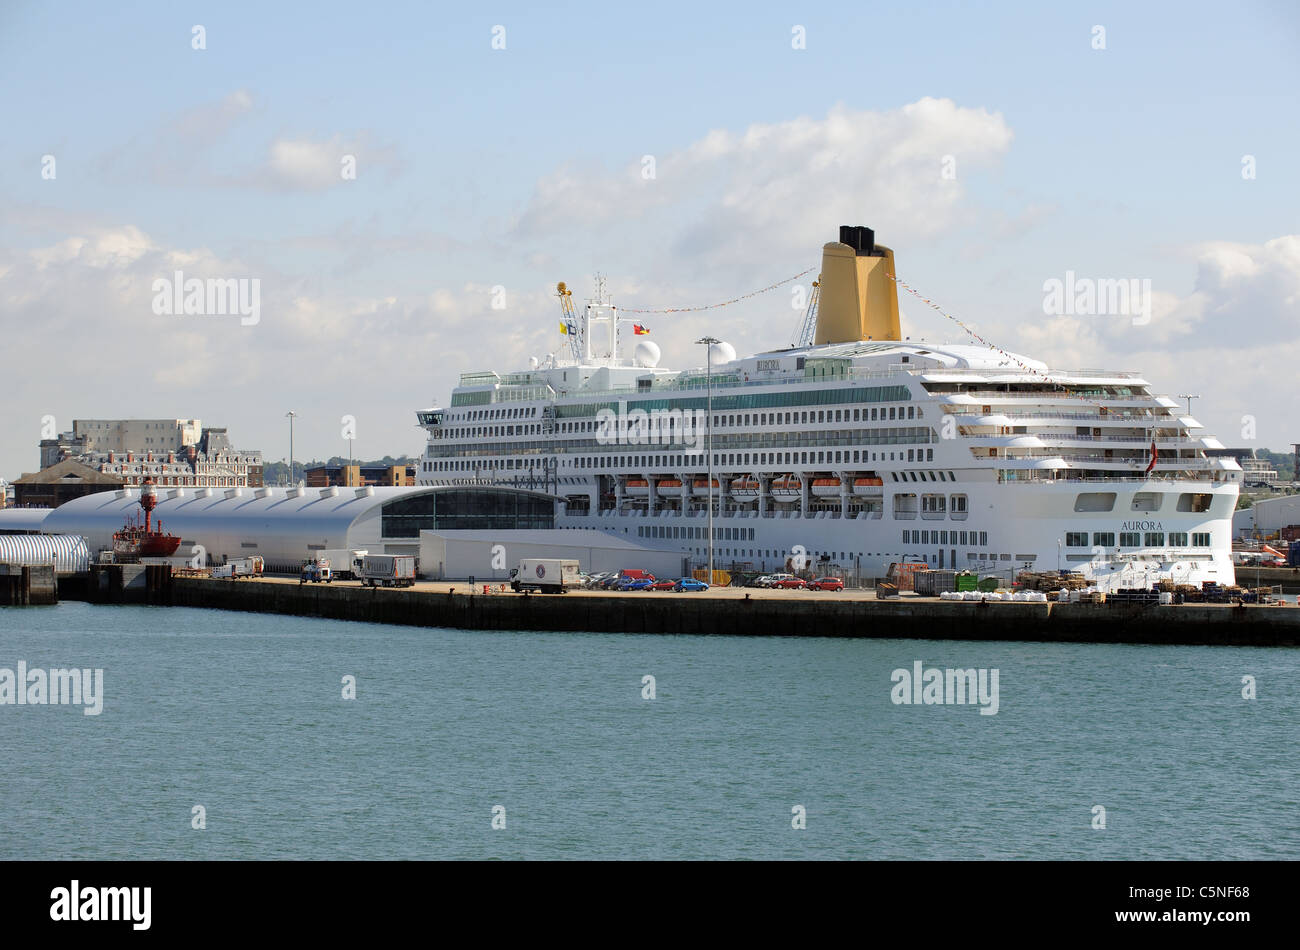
column 569, row 320
column 808, row 330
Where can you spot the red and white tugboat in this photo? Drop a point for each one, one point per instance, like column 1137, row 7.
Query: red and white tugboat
column 137, row 540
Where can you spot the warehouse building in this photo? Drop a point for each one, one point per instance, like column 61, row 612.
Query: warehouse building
column 452, row 530
column 489, row 555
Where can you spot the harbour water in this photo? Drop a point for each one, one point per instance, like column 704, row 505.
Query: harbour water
column 244, row 715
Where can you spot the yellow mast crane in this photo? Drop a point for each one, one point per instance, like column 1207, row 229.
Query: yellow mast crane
column 569, row 320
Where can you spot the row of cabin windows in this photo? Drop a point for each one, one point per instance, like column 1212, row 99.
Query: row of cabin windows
column 1137, row 539
column 676, row 531
column 946, row 537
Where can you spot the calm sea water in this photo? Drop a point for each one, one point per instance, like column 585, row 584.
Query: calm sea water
column 243, row 714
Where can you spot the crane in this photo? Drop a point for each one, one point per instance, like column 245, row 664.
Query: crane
column 569, row 319
column 808, row 330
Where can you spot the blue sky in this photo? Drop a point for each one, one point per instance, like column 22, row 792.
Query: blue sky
column 517, row 167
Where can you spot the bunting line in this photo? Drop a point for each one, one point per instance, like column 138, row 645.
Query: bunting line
column 725, row 303
column 992, row 346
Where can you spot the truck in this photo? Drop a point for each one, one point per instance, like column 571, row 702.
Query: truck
column 388, row 570
column 345, row 563
column 546, row 574
column 315, row 570
column 239, row 567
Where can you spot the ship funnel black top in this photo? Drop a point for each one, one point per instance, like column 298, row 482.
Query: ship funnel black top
column 861, row 239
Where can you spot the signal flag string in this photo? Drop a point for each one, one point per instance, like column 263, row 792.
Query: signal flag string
column 725, row 303
column 992, row 346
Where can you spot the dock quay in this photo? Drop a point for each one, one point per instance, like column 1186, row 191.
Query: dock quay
column 27, row 585
column 722, row 611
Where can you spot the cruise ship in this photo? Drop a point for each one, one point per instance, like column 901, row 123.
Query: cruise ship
column 851, row 452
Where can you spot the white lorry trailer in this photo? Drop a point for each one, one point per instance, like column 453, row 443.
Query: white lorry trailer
column 239, row 567
column 546, row 574
column 388, row 570
column 345, row 563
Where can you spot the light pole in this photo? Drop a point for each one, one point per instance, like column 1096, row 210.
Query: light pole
column 291, row 415
column 707, row 343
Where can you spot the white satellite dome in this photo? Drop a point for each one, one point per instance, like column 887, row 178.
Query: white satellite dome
column 646, row 354
column 722, row 352
column 533, row 362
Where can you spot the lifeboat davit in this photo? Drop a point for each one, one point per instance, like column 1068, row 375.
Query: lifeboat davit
column 868, row 486
column 637, row 487
column 825, row 487
column 744, row 489
column 787, row 489
column 669, row 487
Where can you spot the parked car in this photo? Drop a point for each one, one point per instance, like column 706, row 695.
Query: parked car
column 789, row 582
column 687, row 584
column 761, row 581
column 635, row 583
column 826, row 583
column 664, row 584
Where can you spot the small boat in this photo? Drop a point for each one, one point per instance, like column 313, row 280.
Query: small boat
column 826, row 487
column 637, row 487
column 669, row 487
column 868, row 486
column 744, row 489
column 788, row 488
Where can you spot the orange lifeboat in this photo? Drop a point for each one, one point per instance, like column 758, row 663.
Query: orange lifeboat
column 788, row 488
column 637, row 487
column 825, row 487
column 669, row 487
column 868, row 486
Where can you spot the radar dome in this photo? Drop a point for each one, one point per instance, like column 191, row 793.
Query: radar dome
column 647, row 354
column 722, row 352
column 533, row 362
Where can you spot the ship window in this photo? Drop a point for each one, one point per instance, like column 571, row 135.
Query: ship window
column 1148, row 501
column 1104, row 539
column 1194, row 502
column 1130, row 539
column 1177, row 539
column 911, row 412
column 1095, row 501
column 1154, row 539
column 1076, row 539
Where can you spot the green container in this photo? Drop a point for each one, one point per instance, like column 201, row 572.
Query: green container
column 966, row 582
column 988, row 584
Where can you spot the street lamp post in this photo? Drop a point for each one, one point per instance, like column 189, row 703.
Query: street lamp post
column 291, row 415
column 707, row 343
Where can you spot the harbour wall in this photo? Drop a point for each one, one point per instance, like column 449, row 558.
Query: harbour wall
column 1207, row 624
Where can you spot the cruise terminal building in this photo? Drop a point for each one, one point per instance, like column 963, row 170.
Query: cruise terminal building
column 453, row 527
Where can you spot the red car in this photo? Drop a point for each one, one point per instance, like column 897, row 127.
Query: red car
column 826, row 583
column 662, row 585
column 790, row 583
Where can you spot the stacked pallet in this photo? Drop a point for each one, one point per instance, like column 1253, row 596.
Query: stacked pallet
column 1050, row 580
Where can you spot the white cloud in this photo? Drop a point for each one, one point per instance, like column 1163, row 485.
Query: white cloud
column 784, row 185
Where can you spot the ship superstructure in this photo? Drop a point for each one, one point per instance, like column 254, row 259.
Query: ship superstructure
column 857, row 451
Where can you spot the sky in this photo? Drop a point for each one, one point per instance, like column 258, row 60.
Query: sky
column 407, row 182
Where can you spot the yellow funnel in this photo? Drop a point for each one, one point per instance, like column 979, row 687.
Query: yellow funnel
column 859, row 300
